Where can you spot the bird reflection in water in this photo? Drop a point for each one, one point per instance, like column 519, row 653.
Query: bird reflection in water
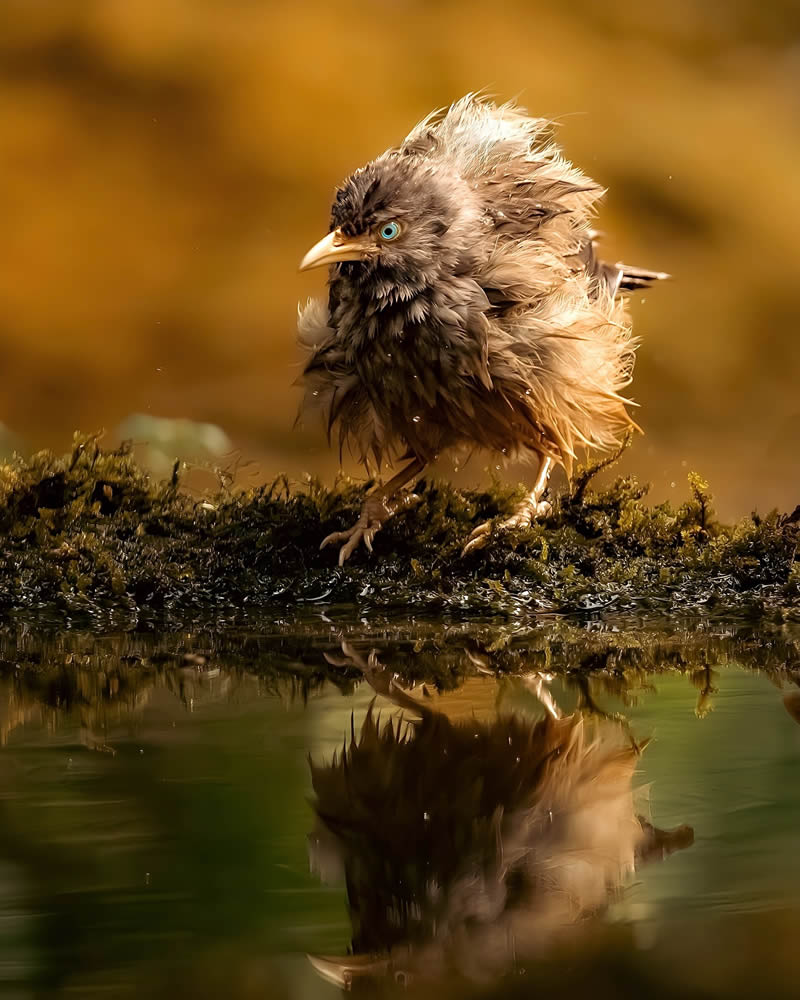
column 467, row 847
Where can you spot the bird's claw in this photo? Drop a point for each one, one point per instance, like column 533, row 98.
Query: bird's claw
column 351, row 538
column 374, row 513
column 478, row 538
column 521, row 518
column 379, row 677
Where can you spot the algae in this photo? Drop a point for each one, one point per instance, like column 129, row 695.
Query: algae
column 92, row 535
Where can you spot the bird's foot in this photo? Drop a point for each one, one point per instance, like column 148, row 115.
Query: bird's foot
column 375, row 512
column 379, row 677
column 523, row 516
column 538, row 683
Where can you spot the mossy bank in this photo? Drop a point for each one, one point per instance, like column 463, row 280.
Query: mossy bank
column 90, row 533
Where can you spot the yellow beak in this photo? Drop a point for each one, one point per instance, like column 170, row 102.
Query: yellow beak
column 342, row 971
column 336, row 247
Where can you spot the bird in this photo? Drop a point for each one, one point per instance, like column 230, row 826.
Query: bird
column 468, row 845
column 467, row 309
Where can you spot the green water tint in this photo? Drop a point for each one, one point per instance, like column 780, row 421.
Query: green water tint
column 90, row 535
column 160, row 831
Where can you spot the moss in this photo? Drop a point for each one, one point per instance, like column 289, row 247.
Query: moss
column 90, row 534
column 105, row 677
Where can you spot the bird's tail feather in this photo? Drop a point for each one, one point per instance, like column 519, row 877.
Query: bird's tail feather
column 633, row 278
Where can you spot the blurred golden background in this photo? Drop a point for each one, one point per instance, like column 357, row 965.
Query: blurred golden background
column 164, row 165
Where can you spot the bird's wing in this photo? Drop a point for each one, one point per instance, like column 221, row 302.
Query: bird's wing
column 511, row 162
column 533, row 207
column 538, row 207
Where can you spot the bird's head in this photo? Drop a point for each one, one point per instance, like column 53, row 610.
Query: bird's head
column 396, row 221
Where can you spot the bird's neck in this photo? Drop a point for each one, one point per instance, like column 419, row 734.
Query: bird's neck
column 377, row 309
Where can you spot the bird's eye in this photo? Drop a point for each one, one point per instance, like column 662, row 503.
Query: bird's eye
column 389, row 231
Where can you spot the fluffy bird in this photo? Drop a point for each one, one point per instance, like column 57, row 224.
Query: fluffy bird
column 467, row 308
column 468, row 847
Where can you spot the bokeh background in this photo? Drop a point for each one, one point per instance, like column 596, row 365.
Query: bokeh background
column 164, row 164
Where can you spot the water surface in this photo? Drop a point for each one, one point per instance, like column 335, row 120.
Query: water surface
column 159, row 829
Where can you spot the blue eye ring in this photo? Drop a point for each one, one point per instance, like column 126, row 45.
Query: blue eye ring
column 389, row 231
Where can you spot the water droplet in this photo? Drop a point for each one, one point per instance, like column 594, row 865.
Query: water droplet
column 504, row 451
column 416, row 419
column 315, row 392
column 389, row 356
column 672, row 485
column 527, row 392
column 497, row 467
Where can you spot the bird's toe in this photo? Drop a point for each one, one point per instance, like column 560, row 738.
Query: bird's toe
column 352, row 538
column 522, row 519
column 334, row 537
column 481, row 531
column 369, row 534
column 350, row 545
column 543, row 509
column 478, row 538
column 519, row 520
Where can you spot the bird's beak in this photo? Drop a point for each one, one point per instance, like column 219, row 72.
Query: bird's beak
column 335, row 247
column 342, row 971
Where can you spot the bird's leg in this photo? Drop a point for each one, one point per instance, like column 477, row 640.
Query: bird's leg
column 538, row 684
column 376, row 511
column 588, row 706
column 532, row 506
column 379, row 677
column 382, row 682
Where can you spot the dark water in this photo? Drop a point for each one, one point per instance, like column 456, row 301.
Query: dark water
column 160, row 834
